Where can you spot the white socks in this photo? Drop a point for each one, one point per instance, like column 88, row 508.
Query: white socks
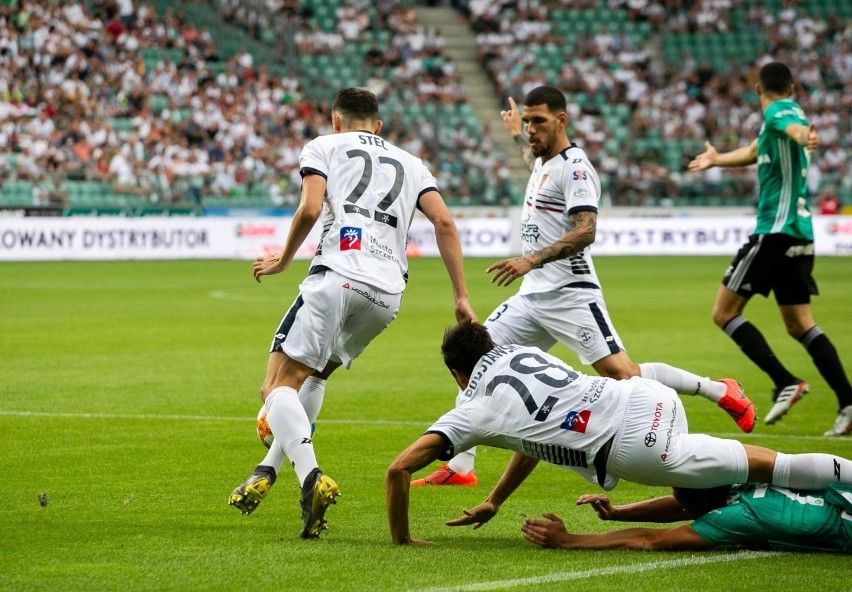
column 683, row 382
column 311, row 397
column 463, row 461
column 811, row 471
column 292, row 430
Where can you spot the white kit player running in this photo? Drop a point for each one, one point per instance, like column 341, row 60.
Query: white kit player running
column 525, row 400
column 560, row 298
column 367, row 190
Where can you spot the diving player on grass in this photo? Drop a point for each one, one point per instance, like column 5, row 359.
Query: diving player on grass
column 560, row 298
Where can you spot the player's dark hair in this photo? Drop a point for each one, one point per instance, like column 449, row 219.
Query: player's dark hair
column 697, row 502
column 776, row 78
column 464, row 344
column 356, row 104
column 546, row 95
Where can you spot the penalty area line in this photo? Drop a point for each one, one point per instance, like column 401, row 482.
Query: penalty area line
column 603, row 571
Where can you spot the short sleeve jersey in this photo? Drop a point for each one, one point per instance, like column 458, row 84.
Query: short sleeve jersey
column 371, row 194
column 764, row 515
column 525, row 400
column 564, row 185
column 782, row 169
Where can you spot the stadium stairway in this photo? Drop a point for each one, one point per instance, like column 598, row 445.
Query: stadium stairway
column 461, row 48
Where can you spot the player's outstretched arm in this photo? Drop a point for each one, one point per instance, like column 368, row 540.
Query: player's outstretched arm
column 309, row 210
column 519, row 468
column 806, row 136
column 551, row 533
column 426, row 449
column 512, row 121
column 660, row 509
column 710, row 157
column 449, row 246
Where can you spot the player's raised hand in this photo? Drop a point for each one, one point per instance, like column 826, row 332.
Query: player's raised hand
column 813, row 138
column 268, row 265
column 477, row 516
column 512, row 118
column 600, row 503
column 508, row 270
column 705, row 160
column 549, row 533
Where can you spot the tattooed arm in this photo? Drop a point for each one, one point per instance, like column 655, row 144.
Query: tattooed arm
column 577, row 239
column 512, row 121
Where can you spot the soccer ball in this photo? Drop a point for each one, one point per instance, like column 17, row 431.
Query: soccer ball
column 263, row 431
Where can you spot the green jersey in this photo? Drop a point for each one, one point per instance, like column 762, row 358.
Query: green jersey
column 760, row 515
column 782, row 168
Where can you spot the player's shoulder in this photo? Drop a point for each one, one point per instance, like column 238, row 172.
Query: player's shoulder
column 572, row 164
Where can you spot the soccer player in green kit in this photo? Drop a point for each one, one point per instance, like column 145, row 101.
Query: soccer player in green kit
column 755, row 515
column 779, row 256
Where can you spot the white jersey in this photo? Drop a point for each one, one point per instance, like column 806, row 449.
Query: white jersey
column 564, row 185
column 525, row 400
column 372, row 192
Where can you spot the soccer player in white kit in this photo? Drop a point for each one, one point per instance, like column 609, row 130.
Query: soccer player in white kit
column 366, row 190
column 561, row 298
column 523, row 399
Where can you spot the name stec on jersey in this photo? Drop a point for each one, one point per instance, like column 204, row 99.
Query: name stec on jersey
column 487, row 361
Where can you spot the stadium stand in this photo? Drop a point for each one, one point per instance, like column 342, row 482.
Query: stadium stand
column 650, row 80
column 174, row 107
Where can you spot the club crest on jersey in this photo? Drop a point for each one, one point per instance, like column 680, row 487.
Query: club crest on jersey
column 576, row 421
column 350, row 238
column 587, row 336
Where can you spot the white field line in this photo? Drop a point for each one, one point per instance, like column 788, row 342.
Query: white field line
column 376, row 422
column 157, row 416
column 602, row 571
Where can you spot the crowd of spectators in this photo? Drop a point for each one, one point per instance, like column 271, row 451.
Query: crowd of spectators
column 405, row 64
column 80, row 101
column 678, row 104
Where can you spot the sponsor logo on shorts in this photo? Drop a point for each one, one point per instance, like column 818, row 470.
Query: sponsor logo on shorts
column 366, row 295
column 587, row 337
column 576, row 421
column 665, row 453
column 350, row 238
column 651, row 436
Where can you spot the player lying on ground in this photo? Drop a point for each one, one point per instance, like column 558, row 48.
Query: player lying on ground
column 754, row 515
column 525, row 400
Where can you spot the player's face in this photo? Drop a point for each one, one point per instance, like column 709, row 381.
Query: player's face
column 543, row 128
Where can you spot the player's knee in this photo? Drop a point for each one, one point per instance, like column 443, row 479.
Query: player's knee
column 720, row 317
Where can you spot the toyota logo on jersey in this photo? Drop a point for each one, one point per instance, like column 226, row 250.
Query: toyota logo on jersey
column 576, row 421
column 350, row 238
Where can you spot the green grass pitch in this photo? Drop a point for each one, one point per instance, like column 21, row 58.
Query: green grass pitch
column 128, row 392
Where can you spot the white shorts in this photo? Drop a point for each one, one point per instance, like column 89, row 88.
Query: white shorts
column 333, row 319
column 654, row 446
column 575, row 317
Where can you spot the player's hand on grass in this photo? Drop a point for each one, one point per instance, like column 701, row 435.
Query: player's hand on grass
column 705, row 160
column 508, row 270
column 512, row 118
column 477, row 516
column 268, row 265
column 600, row 504
column 549, row 533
